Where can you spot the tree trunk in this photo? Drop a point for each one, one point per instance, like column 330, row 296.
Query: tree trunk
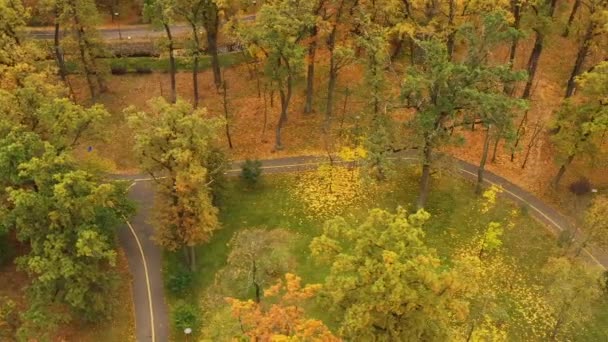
column 225, row 103
column 536, row 52
column 285, row 99
column 533, row 63
column 562, row 170
column 195, row 60
column 333, row 75
column 452, row 34
column 426, row 174
column 495, row 149
column 83, row 52
column 577, row 4
column 310, row 77
column 580, row 59
column 172, row 67
column 256, row 285
column 212, row 31
column 59, row 56
column 516, row 11
column 482, row 163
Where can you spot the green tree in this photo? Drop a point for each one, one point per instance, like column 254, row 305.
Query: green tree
column 572, row 288
column 434, row 89
column 173, row 145
column 391, row 286
column 68, row 219
column 579, row 123
column 276, row 32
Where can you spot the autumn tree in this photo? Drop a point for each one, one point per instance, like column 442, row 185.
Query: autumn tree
column 173, row 144
column 276, row 32
column 162, row 13
column 390, row 285
column 340, row 53
column 191, row 12
column 80, row 18
column 580, row 122
column 283, row 317
column 542, row 12
column 257, row 258
column 572, row 287
column 596, row 28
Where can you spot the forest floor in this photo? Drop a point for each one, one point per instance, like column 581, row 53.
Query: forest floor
column 280, row 208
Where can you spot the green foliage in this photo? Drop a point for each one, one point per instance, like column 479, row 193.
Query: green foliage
column 186, row 315
column 572, row 287
column 579, row 124
column 251, row 172
column 389, row 283
column 179, row 279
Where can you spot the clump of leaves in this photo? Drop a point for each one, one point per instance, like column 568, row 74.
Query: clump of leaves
column 329, row 190
column 251, row 172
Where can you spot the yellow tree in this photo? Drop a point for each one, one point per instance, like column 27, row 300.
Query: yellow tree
column 284, row 320
column 173, row 145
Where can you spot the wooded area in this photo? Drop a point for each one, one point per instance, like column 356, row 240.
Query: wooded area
column 364, row 85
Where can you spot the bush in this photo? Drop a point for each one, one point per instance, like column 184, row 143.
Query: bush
column 581, row 187
column 179, row 280
column 251, row 172
column 143, row 70
column 186, row 315
column 118, row 70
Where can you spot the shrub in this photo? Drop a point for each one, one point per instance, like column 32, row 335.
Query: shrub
column 251, row 172
column 581, row 187
column 118, row 70
column 186, row 315
column 143, row 70
column 179, row 280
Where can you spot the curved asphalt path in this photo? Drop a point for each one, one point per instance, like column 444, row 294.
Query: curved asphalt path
column 145, row 258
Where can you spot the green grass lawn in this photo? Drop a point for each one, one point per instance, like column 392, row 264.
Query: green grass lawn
column 455, row 220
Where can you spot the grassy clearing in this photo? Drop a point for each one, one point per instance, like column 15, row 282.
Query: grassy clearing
column 454, row 221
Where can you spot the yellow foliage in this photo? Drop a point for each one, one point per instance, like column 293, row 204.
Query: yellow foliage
column 329, row 190
column 489, row 198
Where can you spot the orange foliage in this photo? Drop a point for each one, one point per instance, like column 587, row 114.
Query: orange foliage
column 283, row 320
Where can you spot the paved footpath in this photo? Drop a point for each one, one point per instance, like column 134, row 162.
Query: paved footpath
column 145, row 258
